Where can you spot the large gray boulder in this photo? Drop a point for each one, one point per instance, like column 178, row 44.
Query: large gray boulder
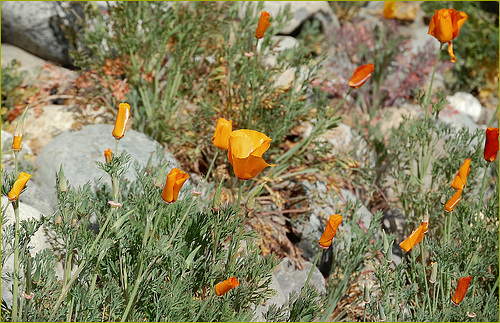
column 301, row 11
column 38, row 242
column 287, row 278
column 38, row 27
column 78, row 151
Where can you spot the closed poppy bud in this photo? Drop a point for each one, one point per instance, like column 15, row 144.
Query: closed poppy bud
column 175, row 180
column 246, row 148
column 445, row 26
column 414, row 238
column 463, row 285
column 386, row 241
column 381, row 312
column 491, row 144
column 18, row 133
column 389, row 9
column 453, row 201
column 263, row 24
column 226, row 286
column 388, row 256
column 434, row 272
column 250, row 204
column 162, row 175
column 216, row 200
column 121, row 120
column 108, row 157
column 460, row 179
column 222, row 132
column 331, row 229
column 63, row 183
column 21, row 181
column 366, row 295
column 361, row 75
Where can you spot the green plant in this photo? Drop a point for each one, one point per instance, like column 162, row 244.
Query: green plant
column 476, row 68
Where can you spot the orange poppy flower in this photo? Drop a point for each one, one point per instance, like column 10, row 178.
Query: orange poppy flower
column 491, row 144
column 222, row 132
column 19, row 184
column 389, row 9
column 460, row 179
column 121, row 120
column 226, row 286
column 108, row 156
column 331, row 229
column 414, row 238
column 18, row 133
column 463, row 285
column 263, row 24
column 445, row 26
column 175, row 180
column 246, row 148
column 453, row 201
column 361, row 75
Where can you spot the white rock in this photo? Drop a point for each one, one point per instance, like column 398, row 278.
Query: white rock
column 54, row 120
column 467, row 104
column 29, row 62
column 39, row 242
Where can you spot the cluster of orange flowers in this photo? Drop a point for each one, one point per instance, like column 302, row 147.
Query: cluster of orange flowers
column 245, row 147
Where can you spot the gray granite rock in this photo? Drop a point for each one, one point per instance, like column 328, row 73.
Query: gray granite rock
column 287, row 278
column 323, row 204
column 29, row 63
column 301, row 11
column 39, row 242
column 37, row 27
column 77, row 151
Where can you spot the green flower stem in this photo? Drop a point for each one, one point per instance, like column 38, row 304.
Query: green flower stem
column 253, row 86
column 141, row 273
column 234, row 251
column 182, row 220
column 311, row 271
column 203, row 307
column 15, row 287
column 481, row 191
column 131, row 301
column 116, row 146
column 428, row 97
column 212, row 164
column 412, row 271
column 423, row 273
column 80, row 267
column 16, row 162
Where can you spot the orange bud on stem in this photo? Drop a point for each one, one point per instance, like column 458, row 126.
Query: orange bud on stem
column 121, row 120
column 226, row 286
column 361, row 75
column 19, row 184
column 263, row 24
column 463, row 285
column 175, row 180
column 331, row 229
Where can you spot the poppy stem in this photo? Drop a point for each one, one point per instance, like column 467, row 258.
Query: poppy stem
column 80, row 267
column 481, row 191
column 182, row 220
column 16, row 162
column 203, row 307
column 428, row 97
column 312, row 268
column 212, row 164
column 15, row 286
